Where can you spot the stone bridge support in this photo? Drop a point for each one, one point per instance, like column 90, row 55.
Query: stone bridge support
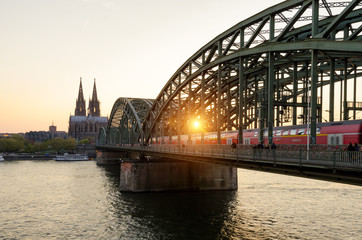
column 109, row 157
column 139, row 174
column 171, row 175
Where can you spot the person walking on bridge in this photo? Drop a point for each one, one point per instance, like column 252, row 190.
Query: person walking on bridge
column 350, row 150
column 350, row 147
column 273, row 146
column 356, row 147
column 233, row 146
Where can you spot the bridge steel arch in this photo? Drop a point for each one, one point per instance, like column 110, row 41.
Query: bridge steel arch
column 272, row 69
column 102, row 136
column 125, row 122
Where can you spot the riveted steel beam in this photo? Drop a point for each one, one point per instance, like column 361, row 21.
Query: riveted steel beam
column 338, row 19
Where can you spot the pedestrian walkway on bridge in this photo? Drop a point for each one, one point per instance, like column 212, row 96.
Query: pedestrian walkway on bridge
column 341, row 164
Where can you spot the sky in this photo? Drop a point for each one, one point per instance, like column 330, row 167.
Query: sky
column 131, row 48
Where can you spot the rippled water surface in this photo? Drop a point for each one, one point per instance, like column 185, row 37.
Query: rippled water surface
column 79, row 200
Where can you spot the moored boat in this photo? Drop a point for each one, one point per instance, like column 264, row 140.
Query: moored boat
column 71, row 157
column 1, row 158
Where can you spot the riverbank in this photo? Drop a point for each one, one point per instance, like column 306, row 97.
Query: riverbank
column 16, row 157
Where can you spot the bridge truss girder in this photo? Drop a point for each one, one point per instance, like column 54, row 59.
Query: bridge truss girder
column 125, row 123
column 102, row 136
column 261, row 72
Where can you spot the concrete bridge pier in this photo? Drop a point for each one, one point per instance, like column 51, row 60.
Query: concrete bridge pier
column 173, row 175
column 109, row 157
column 139, row 174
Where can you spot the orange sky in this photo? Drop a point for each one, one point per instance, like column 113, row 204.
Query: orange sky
column 132, row 48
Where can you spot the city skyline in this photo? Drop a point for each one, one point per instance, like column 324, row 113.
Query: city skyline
column 131, row 48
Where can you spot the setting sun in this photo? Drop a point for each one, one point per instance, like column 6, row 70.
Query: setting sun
column 196, row 124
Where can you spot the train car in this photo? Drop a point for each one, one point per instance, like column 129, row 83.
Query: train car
column 342, row 133
column 292, row 134
column 331, row 133
column 251, row 137
column 183, row 139
column 227, row 137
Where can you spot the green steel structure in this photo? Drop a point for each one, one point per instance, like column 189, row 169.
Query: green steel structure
column 102, row 136
column 275, row 68
column 286, row 65
column 125, row 122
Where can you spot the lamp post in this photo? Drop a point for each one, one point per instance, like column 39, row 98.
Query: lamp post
column 308, row 120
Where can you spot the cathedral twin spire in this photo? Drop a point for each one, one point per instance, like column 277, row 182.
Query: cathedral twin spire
column 80, row 104
column 93, row 107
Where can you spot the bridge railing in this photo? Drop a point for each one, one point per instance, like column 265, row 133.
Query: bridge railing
column 348, row 159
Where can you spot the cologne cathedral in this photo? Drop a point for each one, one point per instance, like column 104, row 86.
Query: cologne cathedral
column 86, row 123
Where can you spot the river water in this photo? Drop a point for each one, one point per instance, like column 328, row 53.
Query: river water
column 80, row 200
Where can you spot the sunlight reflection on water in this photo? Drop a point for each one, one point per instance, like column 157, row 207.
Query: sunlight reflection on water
column 79, row 200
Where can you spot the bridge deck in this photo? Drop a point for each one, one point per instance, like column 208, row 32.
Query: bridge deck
column 331, row 165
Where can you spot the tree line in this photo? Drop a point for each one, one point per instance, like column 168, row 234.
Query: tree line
column 17, row 143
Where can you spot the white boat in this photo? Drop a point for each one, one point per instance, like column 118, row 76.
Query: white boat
column 1, row 158
column 71, row 157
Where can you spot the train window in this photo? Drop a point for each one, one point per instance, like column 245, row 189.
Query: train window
column 318, row 131
column 285, row 132
column 293, row 132
column 301, row 131
column 278, row 132
column 335, row 139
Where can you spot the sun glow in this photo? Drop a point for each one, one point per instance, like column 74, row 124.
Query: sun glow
column 196, row 124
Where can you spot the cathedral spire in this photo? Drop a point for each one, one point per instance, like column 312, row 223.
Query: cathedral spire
column 94, row 109
column 80, row 93
column 94, row 96
column 80, row 109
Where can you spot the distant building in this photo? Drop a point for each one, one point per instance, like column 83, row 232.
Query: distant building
column 37, row 136
column 56, row 134
column 82, row 125
column 61, row 134
column 42, row 136
column 52, row 130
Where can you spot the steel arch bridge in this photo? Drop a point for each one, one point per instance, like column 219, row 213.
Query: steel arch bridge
column 125, row 122
column 281, row 66
column 260, row 72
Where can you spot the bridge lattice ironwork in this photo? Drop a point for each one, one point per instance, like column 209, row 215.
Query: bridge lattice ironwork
column 271, row 69
column 126, row 119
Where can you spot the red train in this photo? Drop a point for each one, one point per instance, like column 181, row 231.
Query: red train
column 331, row 133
